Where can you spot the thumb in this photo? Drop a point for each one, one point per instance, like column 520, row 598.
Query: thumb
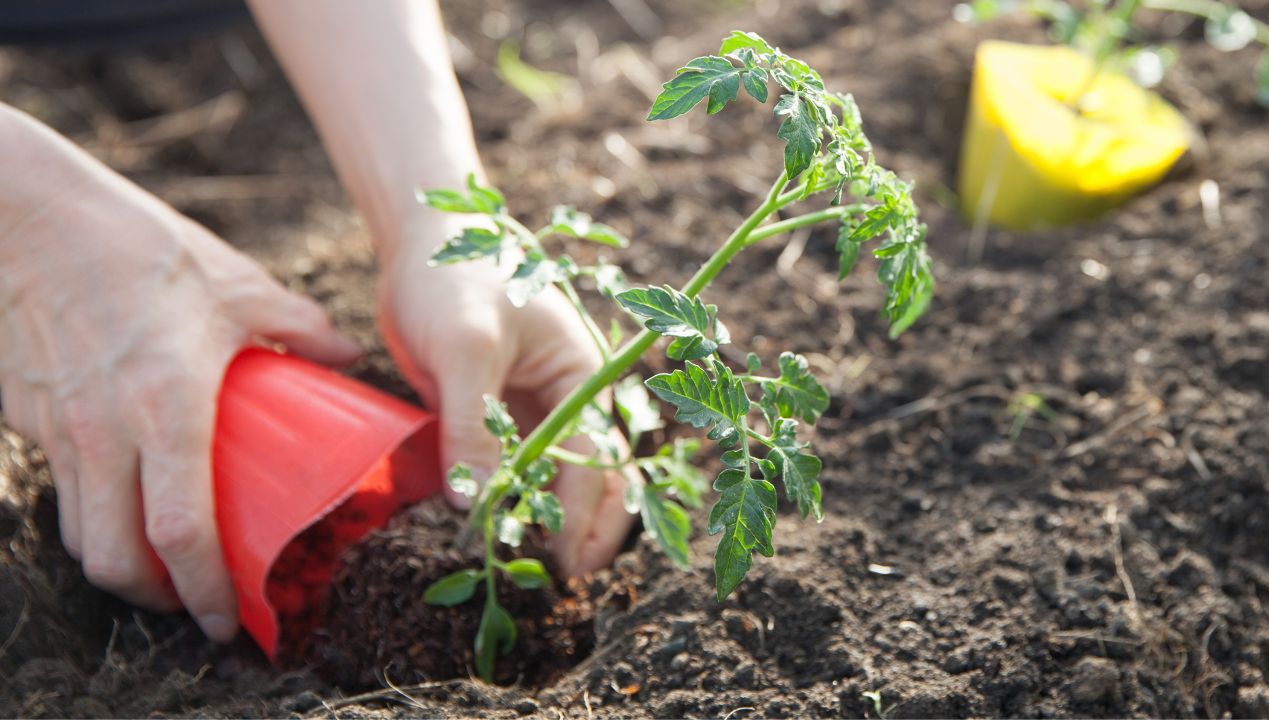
column 464, row 438
column 302, row 326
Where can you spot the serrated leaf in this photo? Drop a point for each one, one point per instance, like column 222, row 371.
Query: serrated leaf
column 496, row 634
column 701, row 400
column 695, row 82
column 453, row 589
column 539, row 473
column 597, row 424
column 798, row 471
column 497, row 420
column 566, row 220
column 473, row 244
column 638, row 410
column 799, row 131
column 796, row 393
column 876, row 221
column 531, row 277
column 527, row 573
column 756, row 84
column 847, row 251
column 460, row 480
column 739, row 39
column 546, row 510
column 745, row 514
column 667, row 522
column 671, row 313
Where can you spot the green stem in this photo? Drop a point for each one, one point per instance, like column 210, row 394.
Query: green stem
column 798, row 221
column 548, row 431
column 1206, row 9
column 605, row 350
column 535, row 240
column 559, row 454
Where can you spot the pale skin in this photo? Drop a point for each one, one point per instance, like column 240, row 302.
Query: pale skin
column 118, row 315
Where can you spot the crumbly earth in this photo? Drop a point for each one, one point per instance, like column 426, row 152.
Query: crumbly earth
column 1105, row 559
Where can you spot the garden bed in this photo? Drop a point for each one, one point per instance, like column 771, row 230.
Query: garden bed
column 1110, row 559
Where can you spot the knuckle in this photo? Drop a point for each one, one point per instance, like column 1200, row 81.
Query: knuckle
column 113, row 573
column 475, row 340
column 175, row 532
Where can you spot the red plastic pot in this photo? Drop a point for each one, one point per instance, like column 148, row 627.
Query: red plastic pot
column 296, row 445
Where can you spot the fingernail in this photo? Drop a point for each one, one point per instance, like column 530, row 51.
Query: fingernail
column 218, row 627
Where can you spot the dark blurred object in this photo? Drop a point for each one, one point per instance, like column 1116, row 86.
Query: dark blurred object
column 98, row 23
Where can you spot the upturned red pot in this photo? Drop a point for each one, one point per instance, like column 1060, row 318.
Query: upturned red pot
column 294, row 443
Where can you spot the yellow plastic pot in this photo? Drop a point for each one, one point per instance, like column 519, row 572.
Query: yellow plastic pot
column 1048, row 144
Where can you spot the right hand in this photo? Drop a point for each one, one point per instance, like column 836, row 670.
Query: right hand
column 118, row 317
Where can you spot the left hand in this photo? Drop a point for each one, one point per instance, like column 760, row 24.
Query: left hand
column 456, row 337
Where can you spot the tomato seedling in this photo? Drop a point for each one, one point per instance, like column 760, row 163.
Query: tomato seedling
column 754, row 418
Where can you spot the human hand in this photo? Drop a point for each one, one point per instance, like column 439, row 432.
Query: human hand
column 456, row 337
column 118, row 317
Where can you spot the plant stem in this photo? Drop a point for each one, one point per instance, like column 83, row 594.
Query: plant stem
column 798, row 221
column 566, row 285
column 557, row 453
column 547, row 433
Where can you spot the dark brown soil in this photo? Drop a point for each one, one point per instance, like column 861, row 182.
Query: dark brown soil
column 1110, row 561
column 376, row 594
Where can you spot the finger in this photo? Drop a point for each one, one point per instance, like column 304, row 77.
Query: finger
column 302, row 326
column 595, row 519
column 61, row 461
column 116, row 556
column 179, row 504
column 471, row 366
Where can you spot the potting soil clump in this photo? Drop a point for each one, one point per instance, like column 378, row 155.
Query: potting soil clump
column 373, row 625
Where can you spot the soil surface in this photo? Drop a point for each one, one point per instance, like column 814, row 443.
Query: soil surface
column 1108, row 558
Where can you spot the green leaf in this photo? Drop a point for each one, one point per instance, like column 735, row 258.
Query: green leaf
column 487, row 200
column 597, row 424
column 638, row 410
column 527, row 573
column 478, row 200
column 539, row 473
column 510, row 529
column 453, row 589
column 799, row 131
column 796, row 393
column 673, row 314
column 740, row 39
column 474, row 243
column 709, row 77
column 546, row 510
column 460, row 480
column 905, row 271
column 672, row 468
column 566, row 220
column 704, row 401
column 848, row 251
column 531, row 278
column 497, row 419
column 609, row 280
column 799, row 471
column 667, row 522
column 1230, row 30
column 746, row 515
column 756, row 84
column 876, row 221
column 496, row 634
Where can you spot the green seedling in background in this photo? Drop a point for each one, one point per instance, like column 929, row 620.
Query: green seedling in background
column 755, row 418
column 546, row 89
column 1104, row 30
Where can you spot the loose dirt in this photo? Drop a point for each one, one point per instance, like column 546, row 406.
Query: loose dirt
column 1108, row 558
